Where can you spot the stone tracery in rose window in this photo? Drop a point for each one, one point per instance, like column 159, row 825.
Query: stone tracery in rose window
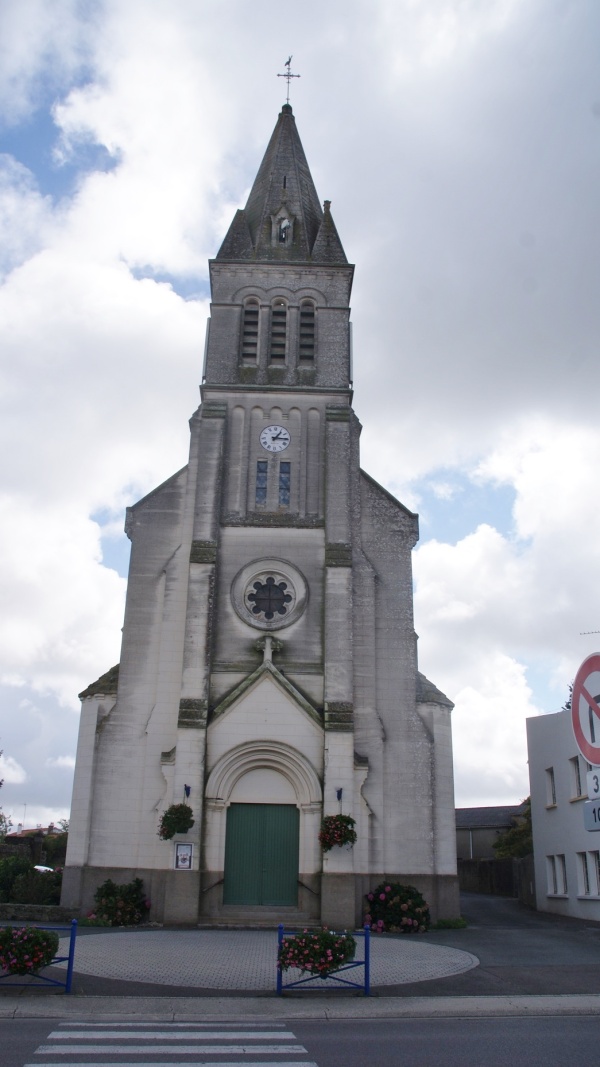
column 269, row 598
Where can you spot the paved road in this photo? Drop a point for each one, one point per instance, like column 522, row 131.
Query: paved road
column 483, row 1042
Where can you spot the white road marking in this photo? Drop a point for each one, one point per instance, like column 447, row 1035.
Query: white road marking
column 166, row 1035
column 182, row 1050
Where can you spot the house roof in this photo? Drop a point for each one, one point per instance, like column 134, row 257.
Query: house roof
column 499, row 818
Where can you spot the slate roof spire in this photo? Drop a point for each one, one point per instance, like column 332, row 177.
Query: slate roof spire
column 283, row 221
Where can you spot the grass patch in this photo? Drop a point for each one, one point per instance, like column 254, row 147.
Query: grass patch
column 450, row 924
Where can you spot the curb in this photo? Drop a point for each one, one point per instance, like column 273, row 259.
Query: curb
column 172, row 1009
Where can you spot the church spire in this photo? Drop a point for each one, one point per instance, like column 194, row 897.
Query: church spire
column 283, row 221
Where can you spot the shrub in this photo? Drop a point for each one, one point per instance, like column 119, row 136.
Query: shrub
column 177, row 819
column 337, row 830
column 319, row 952
column 120, row 905
column 26, row 950
column 398, row 908
column 55, row 847
column 10, row 868
column 37, row 887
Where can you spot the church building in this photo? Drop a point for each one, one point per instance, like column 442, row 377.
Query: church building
column 268, row 674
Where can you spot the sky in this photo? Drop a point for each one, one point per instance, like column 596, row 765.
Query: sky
column 459, row 143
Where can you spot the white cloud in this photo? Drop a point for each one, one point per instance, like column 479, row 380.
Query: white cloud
column 42, row 46
column 488, row 724
column 23, row 214
column 62, row 762
column 11, row 771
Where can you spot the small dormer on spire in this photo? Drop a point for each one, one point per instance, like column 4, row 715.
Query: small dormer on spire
column 282, row 226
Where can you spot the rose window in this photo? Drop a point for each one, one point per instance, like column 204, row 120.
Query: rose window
column 269, row 594
column 269, row 598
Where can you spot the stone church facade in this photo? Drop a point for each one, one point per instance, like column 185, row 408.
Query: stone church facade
column 269, row 660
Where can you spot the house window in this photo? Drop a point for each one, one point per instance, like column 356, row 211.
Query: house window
column 595, row 876
column 550, row 787
column 278, row 331
column 583, row 874
column 575, row 777
column 250, row 330
column 284, row 484
column 562, row 874
column 551, row 872
column 307, row 330
column 261, row 483
column 556, row 871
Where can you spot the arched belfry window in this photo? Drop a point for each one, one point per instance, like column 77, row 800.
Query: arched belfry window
column 278, row 331
column 307, row 330
column 250, row 330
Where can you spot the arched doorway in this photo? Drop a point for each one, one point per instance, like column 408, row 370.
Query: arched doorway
column 263, row 807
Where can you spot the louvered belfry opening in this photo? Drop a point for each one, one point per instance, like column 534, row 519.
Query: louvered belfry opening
column 278, row 331
column 307, row 331
column 250, row 330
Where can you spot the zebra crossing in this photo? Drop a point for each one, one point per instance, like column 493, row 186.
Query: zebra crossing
column 79, row 1044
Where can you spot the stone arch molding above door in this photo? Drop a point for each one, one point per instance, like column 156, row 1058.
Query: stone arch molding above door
column 292, row 766
column 267, row 755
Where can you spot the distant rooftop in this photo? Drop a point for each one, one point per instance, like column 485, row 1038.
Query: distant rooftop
column 500, row 818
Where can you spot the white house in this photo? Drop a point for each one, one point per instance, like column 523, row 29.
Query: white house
column 566, row 855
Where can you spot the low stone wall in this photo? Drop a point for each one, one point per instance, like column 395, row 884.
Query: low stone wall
column 38, row 913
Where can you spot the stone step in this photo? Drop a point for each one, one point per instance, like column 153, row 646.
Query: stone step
column 260, row 918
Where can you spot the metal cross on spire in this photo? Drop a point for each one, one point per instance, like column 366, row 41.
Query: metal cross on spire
column 288, row 77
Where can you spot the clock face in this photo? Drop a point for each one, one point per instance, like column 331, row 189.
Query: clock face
column 274, row 438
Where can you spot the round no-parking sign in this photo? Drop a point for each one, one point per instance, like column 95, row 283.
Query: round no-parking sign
column 585, row 709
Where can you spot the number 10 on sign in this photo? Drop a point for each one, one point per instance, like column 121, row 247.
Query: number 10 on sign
column 591, row 815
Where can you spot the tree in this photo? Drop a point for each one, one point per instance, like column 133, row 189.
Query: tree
column 518, row 841
column 5, row 823
column 567, row 704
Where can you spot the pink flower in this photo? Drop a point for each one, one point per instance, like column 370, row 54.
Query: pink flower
column 388, row 889
column 382, row 896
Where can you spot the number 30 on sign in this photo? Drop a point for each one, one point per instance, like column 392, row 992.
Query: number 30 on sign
column 593, row 784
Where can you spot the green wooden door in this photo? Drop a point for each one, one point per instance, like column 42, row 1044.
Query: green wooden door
column 261, row 854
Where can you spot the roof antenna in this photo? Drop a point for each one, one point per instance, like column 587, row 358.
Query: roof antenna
column 288, row 77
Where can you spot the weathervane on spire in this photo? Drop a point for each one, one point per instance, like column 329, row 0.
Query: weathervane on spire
column 288, row 77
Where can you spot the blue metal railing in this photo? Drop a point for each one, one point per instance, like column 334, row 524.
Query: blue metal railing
column 40, row 979
column 334, row 976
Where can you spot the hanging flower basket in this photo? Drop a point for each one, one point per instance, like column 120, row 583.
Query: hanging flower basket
column 26, row 950
column 337, row 830
column 320, row 952
column 177, row 819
